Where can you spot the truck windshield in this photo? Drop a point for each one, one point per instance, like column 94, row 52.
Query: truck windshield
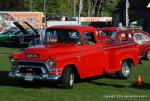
column 62, row 36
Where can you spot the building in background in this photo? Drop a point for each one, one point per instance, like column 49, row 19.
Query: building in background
column 7, row 19
column 139, row 12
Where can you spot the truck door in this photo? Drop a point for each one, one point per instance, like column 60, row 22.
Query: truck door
column 93, row 56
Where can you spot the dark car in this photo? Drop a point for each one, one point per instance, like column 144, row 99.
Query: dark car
column 5, row 36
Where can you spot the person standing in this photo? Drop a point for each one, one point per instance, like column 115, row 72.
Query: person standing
column 42, row 33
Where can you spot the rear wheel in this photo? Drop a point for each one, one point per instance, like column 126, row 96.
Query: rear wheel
column 68, row 78
column 147, row 54
column 125, row 70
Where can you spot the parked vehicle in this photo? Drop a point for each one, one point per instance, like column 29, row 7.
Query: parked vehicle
column 4, row 37
column 71, row 52
column 26, row 36
column 18, row 37
column 140, row 37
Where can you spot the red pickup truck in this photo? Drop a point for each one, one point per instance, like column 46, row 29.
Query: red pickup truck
column 71, row 52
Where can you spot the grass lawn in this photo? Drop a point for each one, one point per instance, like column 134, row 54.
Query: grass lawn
column 102, row 89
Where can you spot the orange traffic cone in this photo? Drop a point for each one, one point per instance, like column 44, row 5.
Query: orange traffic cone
column 139, row 81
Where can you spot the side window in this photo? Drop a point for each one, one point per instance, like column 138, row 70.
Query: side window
column 103, row 34
column 89, row 38
column 140, row 37
column 74, row 36
column 108, row 33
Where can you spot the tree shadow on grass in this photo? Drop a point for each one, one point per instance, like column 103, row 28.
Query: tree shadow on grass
column 91, row 80
column 112, row 76
column 6, row 81
column 107, row 84
column 145, row 86
column 12, row 46
column 8, row 53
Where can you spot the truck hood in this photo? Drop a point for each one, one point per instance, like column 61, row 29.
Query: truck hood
column 44, row 52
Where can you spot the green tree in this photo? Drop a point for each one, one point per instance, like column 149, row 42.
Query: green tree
column 98, row 7
column 52, row 6
column 57, row 6
column 63, row 7
column 109, row 7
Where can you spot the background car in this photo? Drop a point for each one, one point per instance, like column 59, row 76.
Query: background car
column 140, row 37
column 20, row 36
column 5, row 36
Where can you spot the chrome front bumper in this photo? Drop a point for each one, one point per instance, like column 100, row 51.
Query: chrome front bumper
column 41, row 77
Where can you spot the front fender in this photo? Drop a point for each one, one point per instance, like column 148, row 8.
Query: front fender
column 62, row 62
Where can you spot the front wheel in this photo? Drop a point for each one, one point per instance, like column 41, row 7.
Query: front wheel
column 147, row 54
column 68, row 78
column 125, row 70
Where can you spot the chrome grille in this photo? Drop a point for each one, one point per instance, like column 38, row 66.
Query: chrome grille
column 27, row 63
column 30, row 70
column 31, row 67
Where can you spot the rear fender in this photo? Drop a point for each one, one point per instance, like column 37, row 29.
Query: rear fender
column 118, row 57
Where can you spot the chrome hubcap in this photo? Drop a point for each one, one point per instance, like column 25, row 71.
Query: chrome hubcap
column 71, row 79
column 126, row 70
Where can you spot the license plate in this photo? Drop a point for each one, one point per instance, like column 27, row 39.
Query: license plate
column 28, row 77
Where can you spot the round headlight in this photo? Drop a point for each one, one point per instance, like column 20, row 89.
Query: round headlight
column 51, row 62
column 13, row 62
